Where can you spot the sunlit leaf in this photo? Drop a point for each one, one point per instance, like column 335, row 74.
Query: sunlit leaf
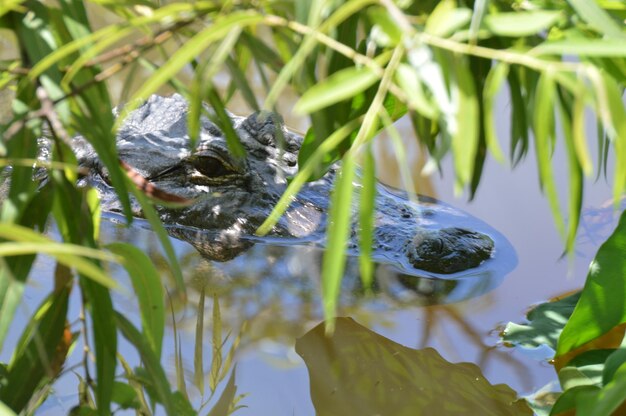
column 198, row 354
column 190, row 50
column 104, row 333
column 601, row 306
column 148, row 288
column 366, row 217
column 226, row 399
column 582, row 47
column 339, row 218
column 465, row 140
column 150, row 361
column 597, row 18
column 494, row 80
column 520, row 23
column 337, row 87
column 446, row 18
column 216, row 342
column 408, row 79
column 305, row 173
column 544, row 136
column 157, row 226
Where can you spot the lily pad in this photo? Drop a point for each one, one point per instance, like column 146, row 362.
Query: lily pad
column 546, row 322
column 356, row 371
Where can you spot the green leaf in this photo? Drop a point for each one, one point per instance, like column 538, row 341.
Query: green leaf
column 224, row 403
column 607, row 400
column 305, row 172
column 601, row 21
column 148, row 289
column 338, row 232
column 163, row 393
column 104, row 332
column 339, row 86
column 517, row 24
column 601, row 306
column 198, row 362
column 446, row 18
column 125, row 396
column 494, row 80
column 582, row 47
column 189, row 51
column 34, row 357
column 544, row 143
column 409, row 80
column 28, row 241
column 157, row 226
column 216, row 342
column 613, row 115
column 465, row 136
column 366, row 218
column 575, row 177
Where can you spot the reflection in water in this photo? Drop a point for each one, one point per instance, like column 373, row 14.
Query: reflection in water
column 356, row 371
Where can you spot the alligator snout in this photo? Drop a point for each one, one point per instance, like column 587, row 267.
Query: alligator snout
column 449, row 250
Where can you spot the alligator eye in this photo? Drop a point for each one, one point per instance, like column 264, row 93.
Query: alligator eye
column 211, row 167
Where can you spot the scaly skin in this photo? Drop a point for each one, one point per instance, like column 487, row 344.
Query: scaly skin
column 234, row 196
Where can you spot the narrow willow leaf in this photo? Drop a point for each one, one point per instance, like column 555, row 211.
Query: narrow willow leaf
column 465, row 138
column 216, row 341
column 590, row 12
column 191, row 48
column 604, row 286
column 340, row 86
column 35, row 355
column 339, row 219
column 575, row 177
column 346, row 10
column 104, row 333
column 304, row 173
column 148, row 288
column 519, row 125
column 408, row 79
column 579, row 136
column 367, row 218
column 478, row 14
column 198, row 354
column 231, row 352
column 616, row 130
column 28, row 241
column 382, row 18
column 150, row 361
column 446, row 18
column 544, row 135
column 582, row 47
column 241, row 85
column 157, row 226
column 227, row 398
column 496, row 76
column 517, row 24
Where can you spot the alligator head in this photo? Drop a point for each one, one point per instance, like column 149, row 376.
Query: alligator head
column 233, row 196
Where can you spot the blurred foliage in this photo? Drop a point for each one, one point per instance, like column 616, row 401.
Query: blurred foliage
column 358, row 66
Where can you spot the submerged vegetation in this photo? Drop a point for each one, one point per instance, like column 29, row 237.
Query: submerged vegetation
column 358, row 66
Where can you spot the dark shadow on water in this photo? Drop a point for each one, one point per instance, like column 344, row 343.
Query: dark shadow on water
column 358, row 372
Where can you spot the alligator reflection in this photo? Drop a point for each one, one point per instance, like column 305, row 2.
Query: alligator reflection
column 356, row 371
column 274, row 257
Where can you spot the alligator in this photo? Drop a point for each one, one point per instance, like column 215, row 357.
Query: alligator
column 233, row 196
